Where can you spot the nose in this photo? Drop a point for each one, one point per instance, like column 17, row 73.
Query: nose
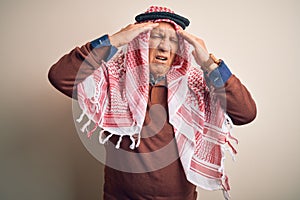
column 164, row 45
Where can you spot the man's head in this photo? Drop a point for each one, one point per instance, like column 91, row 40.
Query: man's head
column 163, row 41
column 163, row 45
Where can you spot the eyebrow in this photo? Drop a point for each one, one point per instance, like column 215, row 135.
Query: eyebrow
column 160, row 30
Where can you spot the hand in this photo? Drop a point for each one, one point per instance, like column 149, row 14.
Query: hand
column 127, row 34
column 200, row 52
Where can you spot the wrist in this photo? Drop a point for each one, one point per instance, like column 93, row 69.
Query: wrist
column 112, row 40
column 210, row 68
column 104, row 41
column 210, row 64
column 100, row 42
column 220, row 75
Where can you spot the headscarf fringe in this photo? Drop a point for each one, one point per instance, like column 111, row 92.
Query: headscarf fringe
column 101, row 135
column 226, row 194
column 119, row 142
column 106, row 138
column 84, row 127
column 132, row 142
column 92, row 131
column 80, row 118
column 138, row 140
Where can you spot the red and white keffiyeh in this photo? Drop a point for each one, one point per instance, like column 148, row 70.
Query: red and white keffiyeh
column 115, row 98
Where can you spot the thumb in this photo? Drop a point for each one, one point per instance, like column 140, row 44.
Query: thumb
column 194, row 53
column 196, row 57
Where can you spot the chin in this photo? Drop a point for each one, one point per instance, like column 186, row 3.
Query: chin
column 157, row 73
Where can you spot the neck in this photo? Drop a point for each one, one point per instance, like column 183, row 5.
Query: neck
column 157, row 79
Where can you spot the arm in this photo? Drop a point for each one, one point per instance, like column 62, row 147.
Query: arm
column 81, row 62
column 237, row 101
column 75, row 66
column 233, row 95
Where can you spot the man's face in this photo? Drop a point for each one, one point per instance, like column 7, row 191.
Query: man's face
column 163, row 45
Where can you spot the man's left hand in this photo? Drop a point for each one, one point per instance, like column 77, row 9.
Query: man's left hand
column 200, row 52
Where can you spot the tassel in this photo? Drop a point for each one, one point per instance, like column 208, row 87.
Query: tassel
column 80, row 117
column 97, row 107
column 226, row 188
column 233, row 149
column 101, row 136
column 132, row 142
column 226, row 194
column 221, row 169
column 96, row 104
column 92, row 131
column 233, row 138
column 107, row 138
column 232, row 154
column 84, row 127
column 119, row 142
column 139, row 140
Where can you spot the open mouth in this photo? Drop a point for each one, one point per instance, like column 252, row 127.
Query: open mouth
column 162, row 58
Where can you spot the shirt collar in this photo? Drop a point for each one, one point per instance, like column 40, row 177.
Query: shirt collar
column 160, row 80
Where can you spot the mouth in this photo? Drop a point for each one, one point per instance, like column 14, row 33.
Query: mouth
column 161, row 58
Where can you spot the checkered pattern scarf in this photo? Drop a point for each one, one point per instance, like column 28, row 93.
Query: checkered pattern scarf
column 115, row 98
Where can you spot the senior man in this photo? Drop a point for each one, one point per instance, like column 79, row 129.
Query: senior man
column 140, row 87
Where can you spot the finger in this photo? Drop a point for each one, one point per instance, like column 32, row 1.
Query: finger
column 194, row 53
column 188, row 37
column 147, row 24
column 145, row 27
column 150, row 25
column 193, row 40
column 201, row 42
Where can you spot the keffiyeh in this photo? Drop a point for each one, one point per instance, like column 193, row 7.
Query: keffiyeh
column 115, row 98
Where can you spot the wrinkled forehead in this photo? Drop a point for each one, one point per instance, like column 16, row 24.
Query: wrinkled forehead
column 165, row 27
column 169, row 23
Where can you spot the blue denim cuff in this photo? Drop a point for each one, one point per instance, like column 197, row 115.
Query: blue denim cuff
column 219, row 76
column 103, row 41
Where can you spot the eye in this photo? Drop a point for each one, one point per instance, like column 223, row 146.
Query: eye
column 155, row 35
column 173, row 39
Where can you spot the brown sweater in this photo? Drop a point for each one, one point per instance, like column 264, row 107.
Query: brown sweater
column 170, row 181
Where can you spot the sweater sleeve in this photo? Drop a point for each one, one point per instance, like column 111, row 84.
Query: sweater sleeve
column 237, row 101
column 75, row 66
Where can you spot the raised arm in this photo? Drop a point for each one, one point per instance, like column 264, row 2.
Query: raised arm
column 233, row 95
column 237, row 100
column 64, row 75
column 81, row 62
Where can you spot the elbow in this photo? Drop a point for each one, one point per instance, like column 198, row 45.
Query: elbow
column 250, row 117
column 252, row 113
column 54, row 78
column 246, row 117
column 51, row 76
column 59, row 83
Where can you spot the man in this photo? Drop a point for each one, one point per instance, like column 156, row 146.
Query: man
column 139, row 86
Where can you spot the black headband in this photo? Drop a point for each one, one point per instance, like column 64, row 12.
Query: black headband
column 181, row 21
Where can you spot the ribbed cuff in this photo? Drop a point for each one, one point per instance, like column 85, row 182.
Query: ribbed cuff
column 219, row 76
column 103, row 41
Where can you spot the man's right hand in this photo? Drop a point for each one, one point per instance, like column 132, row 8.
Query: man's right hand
column 127, row 34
